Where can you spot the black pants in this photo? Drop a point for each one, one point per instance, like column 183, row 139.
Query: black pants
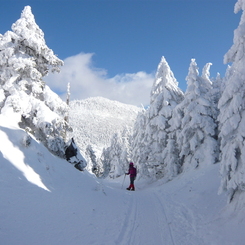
column 132, row 180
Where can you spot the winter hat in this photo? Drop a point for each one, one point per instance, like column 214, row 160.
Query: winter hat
column 131, row 164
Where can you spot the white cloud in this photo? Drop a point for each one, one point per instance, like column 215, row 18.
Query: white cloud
column 88, row 81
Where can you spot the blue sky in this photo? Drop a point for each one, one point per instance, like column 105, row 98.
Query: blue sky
column 112, row 47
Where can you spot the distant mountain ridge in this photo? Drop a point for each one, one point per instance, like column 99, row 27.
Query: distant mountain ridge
column 95, row 120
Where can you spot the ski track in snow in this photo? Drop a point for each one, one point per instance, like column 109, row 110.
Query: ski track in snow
column 145, row 222
column 128, row 225
column 182, row 227
column 154, row 218
column 166, row 218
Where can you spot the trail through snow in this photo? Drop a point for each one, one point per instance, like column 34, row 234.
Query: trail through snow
column 186, row 211
column 145, row 222
column 153, row 218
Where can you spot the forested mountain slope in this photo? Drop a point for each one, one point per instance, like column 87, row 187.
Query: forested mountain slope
column 96, row 120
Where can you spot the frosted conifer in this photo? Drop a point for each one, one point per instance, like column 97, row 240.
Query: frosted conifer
column 165, row 95
column 197, row 138
column 232, row 114
column 139, row 146
column 24, row 60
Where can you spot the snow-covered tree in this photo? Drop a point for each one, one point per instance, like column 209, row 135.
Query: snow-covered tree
column 165, row 95
column 138, row 146
column 115, row 158
column 105, row 160
column 232, row 114
column 218, row 86
column 119, row 160
column 197, row 138
column 171, row 159
column 24, row 60
column 93, row 165
column 172, row 162
column 66, row 117
column 68, row 94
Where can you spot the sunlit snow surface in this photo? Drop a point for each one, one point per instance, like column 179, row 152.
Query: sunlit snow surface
column 10, row 147
column 80, row 209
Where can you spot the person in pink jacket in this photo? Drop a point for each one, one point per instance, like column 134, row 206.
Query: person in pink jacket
column 132, row 172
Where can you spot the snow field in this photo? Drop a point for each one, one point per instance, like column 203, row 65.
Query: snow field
column 80, row 209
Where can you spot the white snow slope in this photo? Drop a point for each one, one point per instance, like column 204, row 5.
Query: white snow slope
column 45, row 200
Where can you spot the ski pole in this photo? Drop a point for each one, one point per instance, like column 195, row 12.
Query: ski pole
column 123, row 180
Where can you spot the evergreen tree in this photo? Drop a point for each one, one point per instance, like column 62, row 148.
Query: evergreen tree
column 92, row 165
column 165, row 95
column 232, row 114
column 24, row 60
column 66, row 117
column 197, row 138
column 217, row 89
column 115, row 151
column 115, row 158
column 68, row 94
column 172, row 163
column 138, row 146
column 105, row 160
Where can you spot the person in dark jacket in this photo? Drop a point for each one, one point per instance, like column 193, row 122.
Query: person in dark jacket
column 132, row 172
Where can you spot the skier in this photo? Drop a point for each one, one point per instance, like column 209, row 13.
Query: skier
column 132, row 172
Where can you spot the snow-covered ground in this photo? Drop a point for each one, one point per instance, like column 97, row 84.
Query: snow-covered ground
column 45, row 200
